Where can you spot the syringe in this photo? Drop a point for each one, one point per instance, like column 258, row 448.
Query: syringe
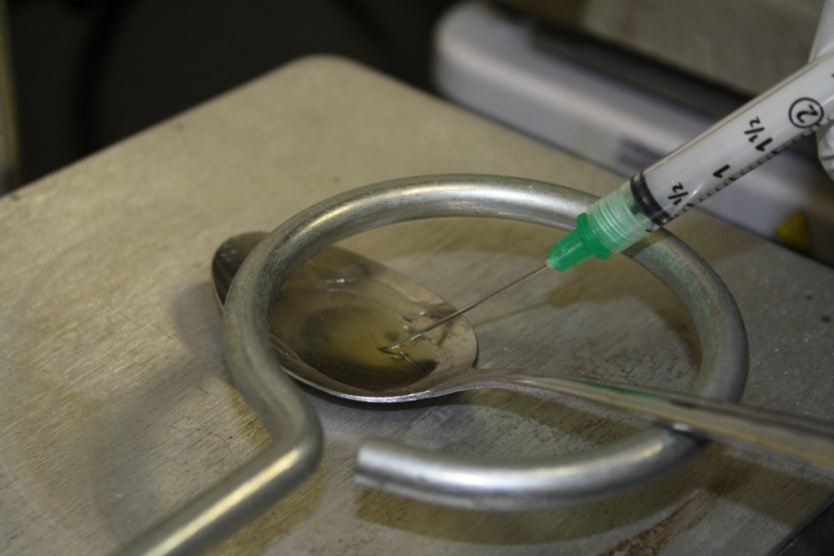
column 734, row 146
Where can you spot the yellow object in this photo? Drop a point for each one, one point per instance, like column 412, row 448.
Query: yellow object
column 795, row 233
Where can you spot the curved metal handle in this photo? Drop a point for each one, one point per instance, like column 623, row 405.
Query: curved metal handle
column 274, row 472
column 803, row 440
column 234, row 501
column 468, row 482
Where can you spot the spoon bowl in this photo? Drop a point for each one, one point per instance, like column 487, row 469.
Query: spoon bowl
column 333, row 314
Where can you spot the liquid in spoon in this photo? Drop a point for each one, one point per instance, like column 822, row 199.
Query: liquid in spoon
column 343, row 341
column 335, row 313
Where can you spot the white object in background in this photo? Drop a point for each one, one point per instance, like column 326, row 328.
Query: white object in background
column 824, row 42
column 489, row 63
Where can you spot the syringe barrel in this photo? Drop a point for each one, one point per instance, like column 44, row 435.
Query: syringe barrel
column 734, row 146
column 740, row 142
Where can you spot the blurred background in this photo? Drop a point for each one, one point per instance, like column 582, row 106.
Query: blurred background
column 618, row 82
column 90, row 72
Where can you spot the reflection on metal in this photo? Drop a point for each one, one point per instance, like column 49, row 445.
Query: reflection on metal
column 452, row 480
column 332, row 315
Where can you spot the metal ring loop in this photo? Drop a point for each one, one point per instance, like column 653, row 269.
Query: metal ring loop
column 580, row 477
column 423, row 474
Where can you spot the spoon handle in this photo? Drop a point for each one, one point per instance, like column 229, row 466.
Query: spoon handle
column 801, row 439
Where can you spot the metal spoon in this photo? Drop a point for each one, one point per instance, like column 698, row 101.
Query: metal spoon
column 338, row 309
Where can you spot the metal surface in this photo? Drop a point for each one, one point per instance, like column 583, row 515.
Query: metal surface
column 338, row 283
column 462, row 481
column 118, row 406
